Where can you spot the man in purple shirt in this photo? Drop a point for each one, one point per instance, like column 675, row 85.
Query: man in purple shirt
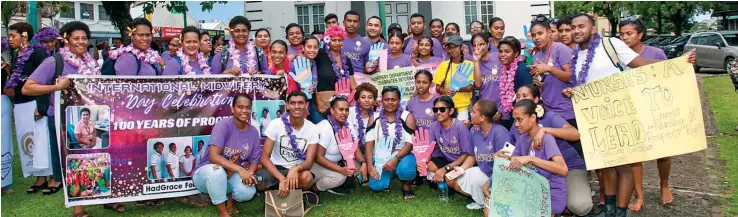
column 417, row 28
column 231, row 159
column 355, row 47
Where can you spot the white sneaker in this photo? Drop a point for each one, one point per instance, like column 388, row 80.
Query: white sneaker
column 474, row 206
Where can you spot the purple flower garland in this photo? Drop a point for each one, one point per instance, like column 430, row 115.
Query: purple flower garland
column 21, row 62
column 340, row 73
column 398, row 126
column 334, row 123
column 293, row 138
column 581, row 79
column 361, row 127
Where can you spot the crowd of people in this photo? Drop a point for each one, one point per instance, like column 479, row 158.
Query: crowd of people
column 513, row 95
column 87, row 177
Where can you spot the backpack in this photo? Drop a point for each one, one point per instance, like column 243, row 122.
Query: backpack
column 108, row 67
column 612, row 53
column 43, row 101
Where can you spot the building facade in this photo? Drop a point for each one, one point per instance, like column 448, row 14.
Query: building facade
column 93, row 14
column 275, row 16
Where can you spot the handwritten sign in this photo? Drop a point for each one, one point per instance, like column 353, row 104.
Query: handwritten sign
column 640, row 114
column 404, row 78
column 518, row 192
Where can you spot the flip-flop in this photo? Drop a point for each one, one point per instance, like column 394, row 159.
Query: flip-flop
column 407, row 195
column 35, row 188
column 52, row 190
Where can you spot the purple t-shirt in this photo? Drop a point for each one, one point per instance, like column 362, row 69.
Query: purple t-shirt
column 451, row 143
column 217, row 66
column 175, row 68
column 356, row 49
column 44, row 74
column 403, row 60
column 126, row 65
column 292, row 50
column 485, row 146
column 556, row 182
column 434, row 60
column 422, row 111
column 234, row 142
column 493, row 48
column 437, row 48
column 165, row 56
column 263, row 61
column 653, row 53
column 491, row 69
column 553, row 120
column 558, row 56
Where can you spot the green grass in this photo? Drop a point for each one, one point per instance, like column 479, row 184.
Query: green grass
column 361, row 203
column 724, row 102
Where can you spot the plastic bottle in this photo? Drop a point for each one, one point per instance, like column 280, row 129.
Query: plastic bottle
column 443, row 192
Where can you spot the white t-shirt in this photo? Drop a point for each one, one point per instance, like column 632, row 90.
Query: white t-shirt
column 376, row 131
column 155, row 159
column 354, row 123
column 173, row 160
column 328, row 141
column 282, row 154
column 601, row 65
column 186, row 162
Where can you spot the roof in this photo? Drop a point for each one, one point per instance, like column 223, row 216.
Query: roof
column 213, row 26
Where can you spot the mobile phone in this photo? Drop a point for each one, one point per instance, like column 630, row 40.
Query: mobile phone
column 454, row 174
column 508, row 149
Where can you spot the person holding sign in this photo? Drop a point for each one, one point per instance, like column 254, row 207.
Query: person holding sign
column 289, row 149
column 421, row 105
column 591, row 62
column 304, row 71
column 360, row 117
column 44, row 80
column 138, row 58
column 451, row 136
column 579, row 201
column 334, row 67
column 189, row 61
column 551, row 69
column 546, row 160
column 486, row 139
column 632, row 32
column 388, row 145
column 231, row 159
column 329, row 174
column 425, row 55
column 454, row 77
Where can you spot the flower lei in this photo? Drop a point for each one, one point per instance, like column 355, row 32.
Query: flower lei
column 507, row 86
column 149, row 56
column 85, row 66
column 334, row 123
column 342, row 72
column 293, row 138
column 15, row 77
column 187, row 69
column 360, row 121
column 398, row 126
column 581, row 79
column 236, row 55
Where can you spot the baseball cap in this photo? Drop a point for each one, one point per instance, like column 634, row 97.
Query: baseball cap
column 394, row 25
column 455, row 39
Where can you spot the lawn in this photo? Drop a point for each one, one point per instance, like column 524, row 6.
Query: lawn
column 724, row 102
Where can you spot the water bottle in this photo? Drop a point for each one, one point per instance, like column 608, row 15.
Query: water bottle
column 443, row 192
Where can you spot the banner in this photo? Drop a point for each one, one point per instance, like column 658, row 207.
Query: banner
column 404, row 78
column 518, row 192
column 640, row 114
column 121, row 138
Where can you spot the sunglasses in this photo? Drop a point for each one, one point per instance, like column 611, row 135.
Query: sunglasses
column 390, row 88
column 338, row 97
column 630, row 19
column 440, row 109
column 538, row 19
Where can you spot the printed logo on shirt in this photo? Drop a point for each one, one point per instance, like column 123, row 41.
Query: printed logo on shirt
column 240, row 156
column 352, row 55
column 358, row 46
column 285, row 148
column 452, row 150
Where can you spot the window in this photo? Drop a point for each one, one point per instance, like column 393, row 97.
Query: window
column 310, row 17
column 488, row 11
column 87, row 11
column 102, row 13
column 714, row 39
column 69, row 13
column 698, row 39
column 470, row 13
column 732, row 39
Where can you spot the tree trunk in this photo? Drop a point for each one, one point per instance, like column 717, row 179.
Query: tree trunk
column 613, row 26
column 659, row 19
column 120, row 17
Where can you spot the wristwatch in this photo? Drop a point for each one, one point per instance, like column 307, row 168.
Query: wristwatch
column 447, row 167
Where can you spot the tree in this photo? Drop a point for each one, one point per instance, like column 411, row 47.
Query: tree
column 680, row 13
column 48, row 9
column 612, row 10
column 704, row 26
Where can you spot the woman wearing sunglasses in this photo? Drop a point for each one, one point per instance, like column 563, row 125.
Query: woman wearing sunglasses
column 579, row 201
column 452, row 143
column 388, row 146
column 632, row 33
column 447, row 70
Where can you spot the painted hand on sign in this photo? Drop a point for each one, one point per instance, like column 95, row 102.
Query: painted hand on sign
column 461, row 77
column 343, row 87
column 347, row 146
column 374, row 54
column 422, row 149
column 304, row 75
column 382, row 154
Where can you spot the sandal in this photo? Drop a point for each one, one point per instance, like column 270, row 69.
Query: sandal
column 51, row 189
column 407, row 195
column 35, row 188
column 82, row 214
column 118, row 207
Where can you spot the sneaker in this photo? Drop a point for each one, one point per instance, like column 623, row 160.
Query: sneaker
column 339, row 191
column 474, row 206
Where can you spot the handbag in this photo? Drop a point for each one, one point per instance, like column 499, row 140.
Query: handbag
column 290, row 206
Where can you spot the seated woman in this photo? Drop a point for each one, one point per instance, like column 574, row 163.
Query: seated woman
column 452, row 143
column 231, row 159
column 392, row 147
column 546, row 160
column 552, row 123
column 360, row 117
column 329, row 173
column 289, row 150
column 486, row 140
